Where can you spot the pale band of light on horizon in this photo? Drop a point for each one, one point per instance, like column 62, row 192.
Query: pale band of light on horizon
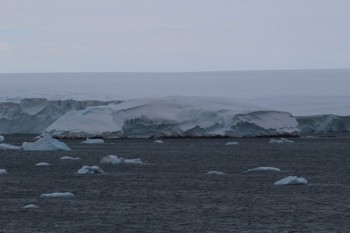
column 172, row 36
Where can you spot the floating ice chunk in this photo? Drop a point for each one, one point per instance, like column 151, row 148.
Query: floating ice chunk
column 215, row 173
column 280, row 141
column 31, row 206
column 291, row 180
column 3, row 172
column 93, row 141
column 158, row 141
column 114, row 159
column 231, row 143
column 90, row 170
column 42, row 164
column 5, row 146
column 46, row 143
column 2, row 138
column 37, row 137
column 57, row 194
column 69, row 158
column 264, row 169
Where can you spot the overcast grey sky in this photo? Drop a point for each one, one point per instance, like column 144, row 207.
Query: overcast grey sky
column 173, row 35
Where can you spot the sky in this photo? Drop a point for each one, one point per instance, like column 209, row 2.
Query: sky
column 173, row 36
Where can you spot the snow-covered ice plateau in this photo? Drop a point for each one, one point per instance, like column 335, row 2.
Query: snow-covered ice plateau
column 264, row 169
column 57, row 194
column 292, row 180
column 174, row 117
column 90, row 170
column 46, row 143
column 114, row 159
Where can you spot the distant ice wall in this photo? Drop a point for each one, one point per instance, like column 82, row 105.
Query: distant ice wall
column 33, row 116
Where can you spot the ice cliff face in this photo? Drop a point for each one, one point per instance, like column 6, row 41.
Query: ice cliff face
column 33, row 116
column 324, row 124
column 174, row 117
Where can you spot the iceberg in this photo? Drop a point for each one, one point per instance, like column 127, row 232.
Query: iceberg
column 46, row 143
column 215, row 173
column 34, row 115
column 231, row 144
column 93, row 141
column 5, row 146
column 158, row 141
column 292, row 180
column 57, row 194
column 264, row 169
column 42, row 164
column 69, row 158
column 90, row 170
column 3, row 171
column 280, row 141
column 31, row 206
column 324, row 124
column 114, row 159
column 174, row 117
column 2, row 138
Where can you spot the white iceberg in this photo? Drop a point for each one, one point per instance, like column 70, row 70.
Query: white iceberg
column 5, row 146
column 174, row 117
column 158, row 141
column 57, row 194
column 46, row 143
column 215, row 173
column 114, row 159
column 3, row 172
column 90, row 170
column 2, row 138
column 31, row 206
column 69, row 158
column 292, row 180
column 93, row 141
column 42, row 164
column 280, row 141
column 264, row 169
column 231, row 144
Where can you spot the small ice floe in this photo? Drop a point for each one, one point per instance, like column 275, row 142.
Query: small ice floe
column 231, row 144
column 280, row 141
column 42, row 164
column 30, row 206
column 264, row 169
column 69, row 158
column 5, row 146
column 37, row 137
column 90, row 170
column 291, row 180
column 158, row 141
column 114, row 159
column 57, row 194
column 93, row 141
column 2, row 138
column 46, row 143
column 3, row 172
column 215, row 173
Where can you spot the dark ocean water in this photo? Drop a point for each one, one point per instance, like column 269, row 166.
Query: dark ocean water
column 172, row 192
